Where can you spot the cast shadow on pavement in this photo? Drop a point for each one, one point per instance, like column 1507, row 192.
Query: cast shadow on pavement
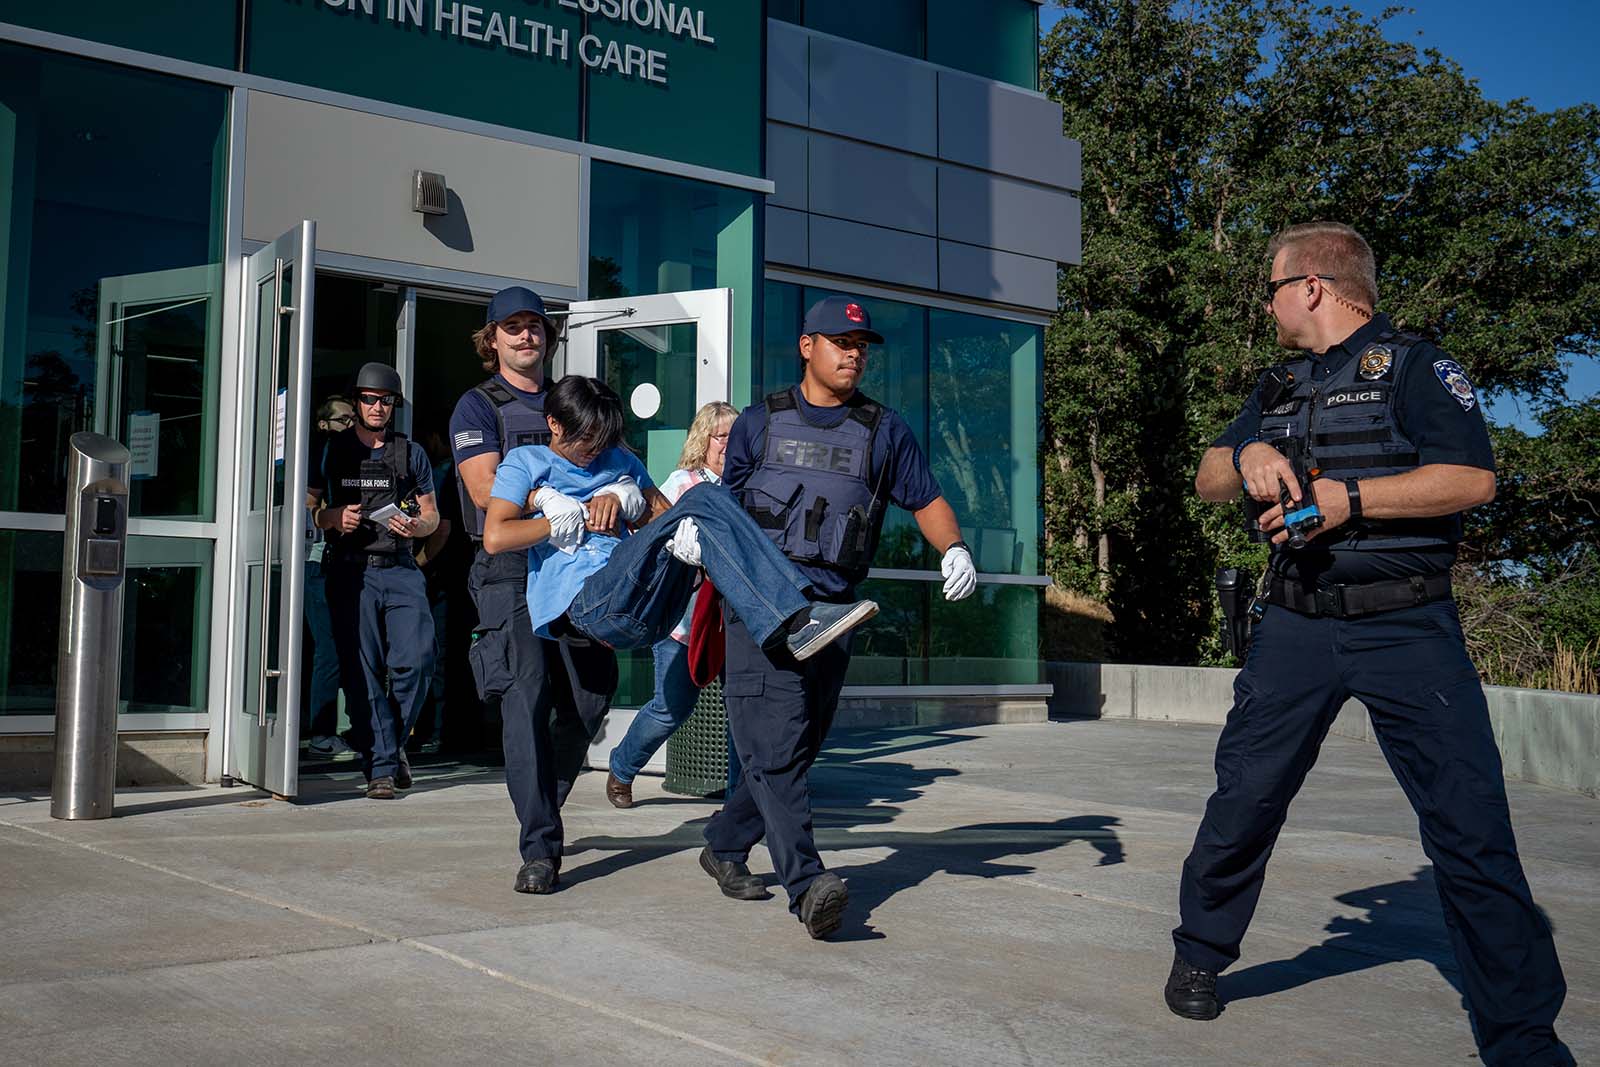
column 966, row 851
column 1403, row 922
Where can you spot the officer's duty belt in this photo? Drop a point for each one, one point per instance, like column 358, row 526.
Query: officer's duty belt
column 1351, row 601
column 370, row 559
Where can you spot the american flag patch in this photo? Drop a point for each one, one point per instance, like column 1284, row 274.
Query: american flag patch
column 468, row 438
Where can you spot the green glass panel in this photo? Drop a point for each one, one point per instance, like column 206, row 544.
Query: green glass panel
column 653, row 369
column 518, row 68
column 919, row 638
column 893, row 24
column 166, row 628
column 651, row 233
column 998, row 39
column 678, row 97
column 781, row 314
column 183, row 29
column 108, row 274
column 984, row 434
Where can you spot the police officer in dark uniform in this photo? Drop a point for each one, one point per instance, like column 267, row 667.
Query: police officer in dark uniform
column 816, row 466
column 1388, row 433
column 378, row 488
column 552, row 695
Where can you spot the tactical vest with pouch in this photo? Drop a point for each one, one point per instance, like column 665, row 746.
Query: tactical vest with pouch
column 355, row 478
column 519, row 425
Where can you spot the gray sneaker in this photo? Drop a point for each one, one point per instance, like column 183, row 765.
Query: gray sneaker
column 827, row 623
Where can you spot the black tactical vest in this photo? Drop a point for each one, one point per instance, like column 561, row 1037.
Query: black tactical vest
column 813, row 490
column 1347, row 424
column 355, row 478
column 519, row 425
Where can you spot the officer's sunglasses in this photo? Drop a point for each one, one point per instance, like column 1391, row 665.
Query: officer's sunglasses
column 371, row 399
column 1274, row 284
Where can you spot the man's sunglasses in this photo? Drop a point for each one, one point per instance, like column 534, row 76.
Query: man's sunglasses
column 370, row 399
column 1274, row 284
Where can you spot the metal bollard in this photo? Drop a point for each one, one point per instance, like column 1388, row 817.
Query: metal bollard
column 89, row 667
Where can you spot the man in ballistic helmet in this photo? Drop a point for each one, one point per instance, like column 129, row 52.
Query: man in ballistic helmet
column 552, row 695
column 816, row 466
column 373, row 493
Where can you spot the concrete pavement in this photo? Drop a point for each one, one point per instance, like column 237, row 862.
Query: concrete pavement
column 1012, row 889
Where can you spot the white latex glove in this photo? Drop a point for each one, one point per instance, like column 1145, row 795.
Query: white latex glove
column 626, row 490
column 960, row 574
column 685, row 542
column 566, row 517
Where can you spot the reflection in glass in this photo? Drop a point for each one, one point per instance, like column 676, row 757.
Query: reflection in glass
column 166, row 628
column 73, row 229
column 662, row 356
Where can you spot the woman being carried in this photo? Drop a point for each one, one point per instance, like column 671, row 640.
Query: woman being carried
column 610, row 559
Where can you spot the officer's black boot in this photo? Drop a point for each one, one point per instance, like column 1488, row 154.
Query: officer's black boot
column 538, row 876
column 734, row 878
column 1192, row 991
column 822, row 904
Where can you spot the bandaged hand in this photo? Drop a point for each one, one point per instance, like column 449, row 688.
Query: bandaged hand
column 626, row 490
column 685, row 542
column 960, row 573
column 565, row 515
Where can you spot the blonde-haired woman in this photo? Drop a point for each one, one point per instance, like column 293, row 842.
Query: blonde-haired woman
column 700, row 461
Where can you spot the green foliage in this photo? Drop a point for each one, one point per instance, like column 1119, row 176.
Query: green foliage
column 1206, row 127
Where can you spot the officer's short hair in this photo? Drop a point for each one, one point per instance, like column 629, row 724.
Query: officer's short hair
column 325, row 409
column 588, row 411
column 1330, row 248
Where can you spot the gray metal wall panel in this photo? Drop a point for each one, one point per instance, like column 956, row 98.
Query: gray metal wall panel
column 787, row 73
column 983, row 209
column 998, row 128
column 851, row 248
column 786, row 166
column 1001, row 276
column 870, row 95
column 873, row 185
column 786, row 237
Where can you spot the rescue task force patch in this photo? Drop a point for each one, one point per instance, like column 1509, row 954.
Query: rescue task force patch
column 1376, row 361
column 1455, row 379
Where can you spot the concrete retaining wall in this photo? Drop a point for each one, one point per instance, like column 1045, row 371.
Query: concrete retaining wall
column 28, row 761
column 1545, row 737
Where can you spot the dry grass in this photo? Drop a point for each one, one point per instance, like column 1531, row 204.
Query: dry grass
column 1073, row 626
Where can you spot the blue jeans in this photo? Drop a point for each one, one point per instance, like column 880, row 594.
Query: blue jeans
column 637, row 598
column 322, row 716
column 672, row 704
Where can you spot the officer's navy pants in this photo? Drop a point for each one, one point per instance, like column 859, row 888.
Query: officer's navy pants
column 779, row 712
column 1410, row 668
column 552, row 696
column 384, row 633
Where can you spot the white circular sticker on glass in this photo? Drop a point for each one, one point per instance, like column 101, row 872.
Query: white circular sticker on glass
column 645, row 401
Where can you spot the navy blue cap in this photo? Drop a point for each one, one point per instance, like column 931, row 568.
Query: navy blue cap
column 507, row 302
column 840, row 314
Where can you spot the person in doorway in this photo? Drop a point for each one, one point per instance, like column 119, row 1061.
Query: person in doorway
column 816, row 466
column 1394, row 449
column 373, row 494
column 595, row 577
column 321, row 695
column 700, row 461
column 550, row 697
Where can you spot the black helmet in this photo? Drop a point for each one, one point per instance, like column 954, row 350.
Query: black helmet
column 380, row 378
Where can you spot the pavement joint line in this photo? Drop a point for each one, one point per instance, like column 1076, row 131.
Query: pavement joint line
column 592, row 1005
column 460, row 961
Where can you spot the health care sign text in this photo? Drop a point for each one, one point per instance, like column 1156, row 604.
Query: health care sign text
column 517, row 34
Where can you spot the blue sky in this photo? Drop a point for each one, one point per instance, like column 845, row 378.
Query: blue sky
column 1544, row 50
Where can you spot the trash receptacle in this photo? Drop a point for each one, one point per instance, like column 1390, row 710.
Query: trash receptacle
column 697, row 752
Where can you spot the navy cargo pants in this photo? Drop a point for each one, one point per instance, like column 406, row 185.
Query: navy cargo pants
column 1410, row 668
column 384, row 633
column 779, row 712
column 552, row 697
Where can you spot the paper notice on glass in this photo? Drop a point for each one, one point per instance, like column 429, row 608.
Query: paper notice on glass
column 144, row 444
column 280, row 404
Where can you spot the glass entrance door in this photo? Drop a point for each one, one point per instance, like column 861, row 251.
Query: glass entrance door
column 264, row 720
column 665, row 355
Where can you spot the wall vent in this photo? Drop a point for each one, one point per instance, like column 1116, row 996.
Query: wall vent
column 428, row 193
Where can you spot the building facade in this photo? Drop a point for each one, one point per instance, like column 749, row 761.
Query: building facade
column 211, row 214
